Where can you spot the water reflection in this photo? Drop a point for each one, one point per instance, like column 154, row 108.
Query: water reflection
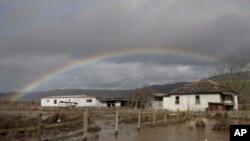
column 173, row 132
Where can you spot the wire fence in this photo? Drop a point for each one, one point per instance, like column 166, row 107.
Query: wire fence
column 42, row 131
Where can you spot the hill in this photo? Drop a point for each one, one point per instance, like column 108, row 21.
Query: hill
column 97, row 93
column 166, row 88
column 244, row 80
column 4, row 96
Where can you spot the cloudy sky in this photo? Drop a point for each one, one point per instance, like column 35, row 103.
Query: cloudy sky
column 39, row 36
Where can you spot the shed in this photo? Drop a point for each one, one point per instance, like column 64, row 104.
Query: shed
column 69, row 100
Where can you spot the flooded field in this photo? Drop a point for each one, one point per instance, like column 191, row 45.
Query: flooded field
column 67, row 125
column 173, row 132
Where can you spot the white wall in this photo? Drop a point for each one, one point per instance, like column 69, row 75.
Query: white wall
column 188, row 102
column 117, row 104
column 102, row 104
column 157, row 105
column 81, row 102
column 48, row 102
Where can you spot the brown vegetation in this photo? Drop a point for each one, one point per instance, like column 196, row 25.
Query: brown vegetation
column 15, row 121
column 142, row 97
column 94, row 128
column 222, row 122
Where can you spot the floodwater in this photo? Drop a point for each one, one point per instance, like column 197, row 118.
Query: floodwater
column 172, row 132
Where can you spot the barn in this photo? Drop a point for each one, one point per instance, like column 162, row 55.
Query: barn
column 113, row 101
column 201, row 95
column 70, row 101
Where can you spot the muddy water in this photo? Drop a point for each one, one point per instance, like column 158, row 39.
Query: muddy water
column 174, row 132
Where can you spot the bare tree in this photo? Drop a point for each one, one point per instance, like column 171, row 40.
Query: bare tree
column 142, row 96
column 232, row 71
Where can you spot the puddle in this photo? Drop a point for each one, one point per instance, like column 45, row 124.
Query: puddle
column 172, row 132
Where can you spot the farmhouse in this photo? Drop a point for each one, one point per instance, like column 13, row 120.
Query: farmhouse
column 69, row 101
column 200, row 96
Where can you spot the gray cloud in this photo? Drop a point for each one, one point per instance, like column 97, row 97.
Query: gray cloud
column 39, row 36
column 127, row 75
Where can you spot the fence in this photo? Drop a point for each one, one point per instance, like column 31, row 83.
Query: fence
column 41, row 127
column 141, row 117
column 148, row 118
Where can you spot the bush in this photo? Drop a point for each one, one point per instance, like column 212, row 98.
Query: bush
column 200, row 123
column 94, row 128
column 55, row 117
column 221, row 126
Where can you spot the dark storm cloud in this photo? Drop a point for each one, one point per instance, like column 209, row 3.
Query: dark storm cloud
column 38, row 36
column 127, row 75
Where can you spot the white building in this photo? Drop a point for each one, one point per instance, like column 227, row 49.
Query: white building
column 113, row 101
column 82, row 101
column 200, row 96
column 157, row 102
column 71, row 100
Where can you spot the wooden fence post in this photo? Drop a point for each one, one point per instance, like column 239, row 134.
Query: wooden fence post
column 165, row 116
column 153, row 117
column 139, row 120
column 39, row 128
column 85, row 125
column 116, row 121
column 178, row 113
column 129, row 113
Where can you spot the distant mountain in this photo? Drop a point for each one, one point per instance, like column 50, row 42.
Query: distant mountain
column 4, row 96
column 166, row 88
column 98, row 93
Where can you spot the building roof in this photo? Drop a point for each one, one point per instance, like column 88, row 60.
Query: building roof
column 69, row 96
column 204, row 86
column 112, row 99
column 159, row 94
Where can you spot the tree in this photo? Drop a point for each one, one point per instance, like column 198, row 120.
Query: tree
column 142, row 96
column 232, row 71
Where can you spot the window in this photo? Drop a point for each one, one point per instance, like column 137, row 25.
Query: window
column 55, row 101
column 177, row 100
column 89, row 100
column 197, row 100
column 47, row 100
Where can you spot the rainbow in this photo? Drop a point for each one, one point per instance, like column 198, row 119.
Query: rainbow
column 81, row 62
